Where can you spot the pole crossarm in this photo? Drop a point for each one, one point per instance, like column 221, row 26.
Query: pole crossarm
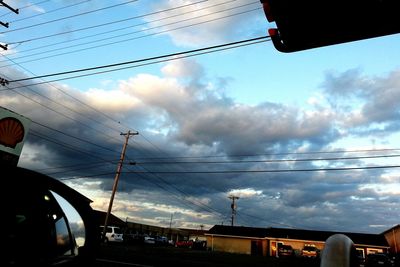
column 16, row 11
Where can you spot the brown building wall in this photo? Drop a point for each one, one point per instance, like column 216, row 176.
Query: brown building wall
column 297, row 245
column 393, row 238
column 229, row 244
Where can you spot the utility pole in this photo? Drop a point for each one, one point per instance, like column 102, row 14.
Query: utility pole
column 233, row 207
column 6, row 24
column 170, row 222
column 117, row 174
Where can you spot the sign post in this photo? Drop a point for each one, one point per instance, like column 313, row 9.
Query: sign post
column 13, row 131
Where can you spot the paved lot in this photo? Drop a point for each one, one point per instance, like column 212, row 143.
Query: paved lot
column 140, row 255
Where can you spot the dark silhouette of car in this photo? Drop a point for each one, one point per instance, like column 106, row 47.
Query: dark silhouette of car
column 378, row 260
column 285, row 251
column 39, row 232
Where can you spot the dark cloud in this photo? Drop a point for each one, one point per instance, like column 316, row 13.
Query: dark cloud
column 377, row 97
column 180, row 119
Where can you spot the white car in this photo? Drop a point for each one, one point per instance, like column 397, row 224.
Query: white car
column 149, row 240
column 113, row 234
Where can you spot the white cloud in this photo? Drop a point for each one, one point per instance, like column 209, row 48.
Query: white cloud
column 245, row 193
column 213, row 22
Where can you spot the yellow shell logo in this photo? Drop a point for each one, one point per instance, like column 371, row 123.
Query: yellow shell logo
column 11, row 132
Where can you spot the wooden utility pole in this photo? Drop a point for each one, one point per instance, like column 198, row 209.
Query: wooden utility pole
column 117, row 174
column 6, row 24
column 233, row 207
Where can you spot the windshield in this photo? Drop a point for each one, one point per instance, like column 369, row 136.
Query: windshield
column 185, row 115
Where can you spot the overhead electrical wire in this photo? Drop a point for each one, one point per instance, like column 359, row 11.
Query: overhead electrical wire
column 50, row 11
column 87, row 167
column 206, row 7
column 279, row 170
column 62, row 114
column 121, row 41
column 74, row 98
column 135, row 66
column 148, row 141
column 267, row 160
column 79, row 165
column 172, row 56
column 114, row 22
column 66, row 145
column 75, row 137
column 259, row 219
column 276, row 154
column 68, row 17
column 87, row 176
column 26, row 6
column 199, row 204
column 81, row 102
column 186, row 197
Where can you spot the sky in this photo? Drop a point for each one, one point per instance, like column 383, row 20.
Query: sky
column 305, row 140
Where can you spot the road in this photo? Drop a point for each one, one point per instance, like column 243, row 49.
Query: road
column 117, row 255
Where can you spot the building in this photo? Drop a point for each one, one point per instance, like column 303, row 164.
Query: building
column 100, row 218
column 265, row 241
column 174, row 234
column 392, row 236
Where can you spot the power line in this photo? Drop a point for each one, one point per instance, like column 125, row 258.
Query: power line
column 66, row 145
column 268, row 160
column 264, row 220
column 114, row 22
column 124, row 40
column 87, row 167
column 141, row 65
column 142, row 60
column 68, row 17
column 279, row 171
column 72, row 97
column 87, row 176
column 80, row 165
column 74, row 137
column 278, row 154
column 29, row 5
column 61, row 114
column 50, row 11
column 201, row 205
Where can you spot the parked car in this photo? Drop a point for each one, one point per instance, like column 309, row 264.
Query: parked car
column 200, row 244
column 149, row 240
column 285, row 251
column 113, row 234
column 161, row 240
column 309, row 251
column 378, row 260
column 184, row 244
column 37, row 216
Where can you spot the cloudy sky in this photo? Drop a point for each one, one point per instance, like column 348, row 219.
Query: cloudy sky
column 305, row 140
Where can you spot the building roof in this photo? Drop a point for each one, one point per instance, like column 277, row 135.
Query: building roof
column 238, row 231
column 100, row 217
column 394, row 228
column 300, row 234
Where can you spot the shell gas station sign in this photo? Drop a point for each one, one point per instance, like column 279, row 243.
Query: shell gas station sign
column 13, row 131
